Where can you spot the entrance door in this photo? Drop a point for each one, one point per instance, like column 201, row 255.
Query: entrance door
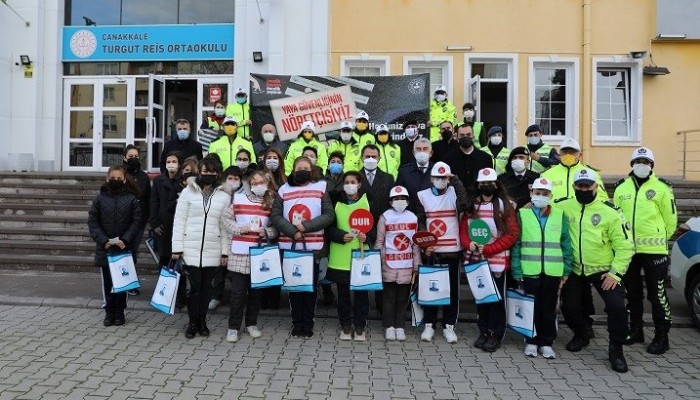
column 155, row 135
column 473, row 95
column 210, row 90
column 491, row 85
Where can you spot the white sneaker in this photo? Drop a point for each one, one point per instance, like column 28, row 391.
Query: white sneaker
column 232, row 336
column 548, row 352
column 360, row 336
column 531, row 350
column 428, row 333
column 400, row 334
column 253, row 331
column 390, row 334
column 449, row 334
column 214, row 304
column 345, row 336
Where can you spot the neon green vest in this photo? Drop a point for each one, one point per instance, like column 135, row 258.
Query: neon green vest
column 213, row 124
column 500, row 161
column 390, row 158
column 541, row 247
column 543, row 151
column 341, row 253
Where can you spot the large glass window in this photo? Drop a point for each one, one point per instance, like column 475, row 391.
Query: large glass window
column 613, row 103
column 222, row 67
column 438, row 70
column 150, row 12
column 550, row 100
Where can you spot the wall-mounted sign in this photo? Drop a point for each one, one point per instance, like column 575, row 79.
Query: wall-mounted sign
column 148, row 42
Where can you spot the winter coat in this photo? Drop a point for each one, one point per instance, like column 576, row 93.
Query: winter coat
column 113, row 215
column 160, row 193
column 143, row 183
column 199, row 234
column 187, row 148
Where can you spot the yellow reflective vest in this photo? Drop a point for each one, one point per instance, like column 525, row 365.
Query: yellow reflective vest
column 227, row 149
column 562, row 179
column 543, row 151
column 500, row 161
column 389, row 158
column 351, row 151
column 439, row 113
column 241, row 112
column 297, row 148
column 340, row 256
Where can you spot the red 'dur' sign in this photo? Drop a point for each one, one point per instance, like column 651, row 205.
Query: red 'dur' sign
column 425, row 239
column 361, row 220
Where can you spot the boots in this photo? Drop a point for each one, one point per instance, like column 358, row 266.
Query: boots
column 119, row 318
column 617, row 358
column 658, row 345
column 109, row 318
column 636, row 335
column 202, row 326
column 191, row 330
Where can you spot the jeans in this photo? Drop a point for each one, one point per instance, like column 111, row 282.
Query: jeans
column 242, row 297
column 449, row 312
column 198, row 282
column 546, row 291
column 655, row 268
column 395, row 304
column 353, row 310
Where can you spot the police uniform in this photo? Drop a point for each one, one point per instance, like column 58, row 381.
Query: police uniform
column 227, row 148
column 351, row 152
column 440, row 111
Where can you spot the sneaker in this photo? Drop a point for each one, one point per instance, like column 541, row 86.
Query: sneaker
column 297, row 332
column 449, row 334
column 390, row 334
column 214, row 304
column 345, row 334
column 428, row 333
column 360, row 336
column 531, row 350
column 492, row 343
column 232, row 336
column 480, row 341
column 253, row 331
column 400, row 335
column 578, row 342
column 548, row 352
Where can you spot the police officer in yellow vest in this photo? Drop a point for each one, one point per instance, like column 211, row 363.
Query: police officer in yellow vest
column 227, row 146
column 649, row 205
column 389, row 152
column 216, row 120
column 562, row 175
column 306, row 138
column 496, row 149
column 543, row 155
column 469, row 112
column 441, row 110
column 348, row 147
column 362, row 134
column 603, row 248
column 541, row 259
column 240, row 110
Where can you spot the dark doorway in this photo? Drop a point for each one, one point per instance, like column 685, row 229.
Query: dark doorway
column 181, row 100
column 494, row 106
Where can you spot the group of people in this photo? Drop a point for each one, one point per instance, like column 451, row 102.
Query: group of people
column 554, row 232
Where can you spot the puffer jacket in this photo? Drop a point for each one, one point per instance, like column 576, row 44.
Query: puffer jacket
column 199, row 234
column 113, row 215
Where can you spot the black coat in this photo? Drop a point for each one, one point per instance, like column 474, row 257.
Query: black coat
column 143, row 183
column 334, row 187
column 411, row 177
column 467, row 166
column 162, row 189
column 377, row 196
column 518, row 188
column 187, row 148
column 113, row 215
column 406, row 146
column 443, row 147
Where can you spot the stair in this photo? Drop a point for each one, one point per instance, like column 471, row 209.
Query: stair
column 43, row 222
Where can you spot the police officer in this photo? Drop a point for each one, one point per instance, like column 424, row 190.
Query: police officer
column 603, row 248
column 543, row 155
column 648, row 203
column 362, row 134
column 240, row 110
column 307, row 138
column 441, row 110
column 348, row 147
column 390, row 152
column 469, row 112
column 227, row 146
column 562, row 175
column 496, row 149
column 215, row 120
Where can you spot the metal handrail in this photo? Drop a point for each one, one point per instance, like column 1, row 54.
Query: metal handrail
column 685, row 147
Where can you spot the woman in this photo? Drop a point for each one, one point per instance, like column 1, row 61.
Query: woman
column 492, row 206
column 334, row 175
column 274, row 166
column 114, row 221
column 301, row 211
column 342, row 242
column 132, row 165
column 247, row 222
column 243, row 163
column 311, row 153
column 216, row 119
column 161, row 220
column 200, row 238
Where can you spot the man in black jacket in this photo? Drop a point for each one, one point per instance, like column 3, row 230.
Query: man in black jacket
column 447, row 142
column 518, row 178
column 466, row 160
column 406, row 144
column 184, row 143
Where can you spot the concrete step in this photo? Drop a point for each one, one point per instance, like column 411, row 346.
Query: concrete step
column 32, row 189
column 78, row 248
column 49, row 198
column 11, row 178
column 62, row 263
column 44, row 221
column 20, row 208
column 31, row 234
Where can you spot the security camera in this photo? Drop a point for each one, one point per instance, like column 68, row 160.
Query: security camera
column 637, row 54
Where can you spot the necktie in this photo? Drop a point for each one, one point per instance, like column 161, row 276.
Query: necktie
column 370, row 177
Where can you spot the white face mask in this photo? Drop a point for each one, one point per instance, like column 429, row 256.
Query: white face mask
column 219, row 112
column 440, row 183
column 259, row 190
column 469, row 114
column 496, row 140
column 641, row 170
column 411, row 132
column 232, row 186
column 440, row 97
column 540, row 201
column 518, row 165
column 422, row 157
column 346, row 136
column 399, row 205
column 242, row 164
column 533, row 140
column 268, row 137
column 351, row 188
column 171, row 167
column 370, row 163
column 272, row 164
column 313, row 160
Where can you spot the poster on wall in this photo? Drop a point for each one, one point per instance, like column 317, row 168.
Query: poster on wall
column 288, row 100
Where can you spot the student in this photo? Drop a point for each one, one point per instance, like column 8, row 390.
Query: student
column 342, row 242
column 161, row 220
column 244, row 162
column 400, row 259
column 247, row 221
column 114, row 221
column 541, row 259
column 491, row 204
column 273, row 165
column 132, row 165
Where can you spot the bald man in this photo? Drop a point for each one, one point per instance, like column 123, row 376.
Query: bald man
column 269, row 139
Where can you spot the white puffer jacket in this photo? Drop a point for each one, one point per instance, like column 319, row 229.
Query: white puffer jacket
column 198, row 230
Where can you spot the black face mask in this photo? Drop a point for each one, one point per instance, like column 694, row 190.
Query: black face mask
column 487, row 190
column 133, row 164
column 466, row 142
column 206, row 180
column 302, row 176
column 585, row 196
column 446, row 134
column 115, row 185
column 187, row 175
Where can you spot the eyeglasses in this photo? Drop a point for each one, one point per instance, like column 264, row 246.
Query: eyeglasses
column 242, row 159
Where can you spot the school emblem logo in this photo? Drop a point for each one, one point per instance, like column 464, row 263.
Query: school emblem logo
column 595, row 219
column 416, row 86
column 397, row 190
column 543, row 181
column 441, row 170
column 650, row 194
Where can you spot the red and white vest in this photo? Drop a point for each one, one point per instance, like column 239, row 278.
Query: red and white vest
column 303, row 203
column 399, row 228
column 249, row 213
column 441, row 218
column 497, row 262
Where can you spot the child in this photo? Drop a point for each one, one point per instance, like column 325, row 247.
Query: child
column 114, row 221
column 542, row 272
column 401, row 257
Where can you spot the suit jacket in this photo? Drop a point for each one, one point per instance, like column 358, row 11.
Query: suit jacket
column 377, row 196
column 411, row 177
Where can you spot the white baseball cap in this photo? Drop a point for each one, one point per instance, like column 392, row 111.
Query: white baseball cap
column 382, row 128
column 542, row 183
column 487, row 175
column 441, row 89
column 642, row 152
column 308, row 125
column 346, row 125
column 570, row 143
column 585, row 176
column 441, row 169
column 398, row 191
column 362, row 115
column 229, row 119
column 240, row 91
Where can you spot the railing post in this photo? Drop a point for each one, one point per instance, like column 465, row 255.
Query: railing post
column 685, row 152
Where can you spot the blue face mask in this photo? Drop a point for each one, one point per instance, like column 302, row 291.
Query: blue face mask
column 183, row 134
column 335, row 168
column 240, row 100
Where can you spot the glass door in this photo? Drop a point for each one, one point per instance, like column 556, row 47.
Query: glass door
column 473, row 95
column 210, row 90
column 156, row 131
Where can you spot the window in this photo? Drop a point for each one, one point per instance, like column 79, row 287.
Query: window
column 490, row 70
column 140, row 12
column 364, row 71
column 109, row 123
column 108, row 94
column 108, row 69
column 617, row 102
column 439, row 69
column 364, row 65
column 554, row 93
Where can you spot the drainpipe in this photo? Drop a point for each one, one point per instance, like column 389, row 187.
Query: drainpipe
column 586, row 62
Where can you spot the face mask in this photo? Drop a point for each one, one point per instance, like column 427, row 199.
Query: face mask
column 307, row 135
column 487, row 190
column 533, row 140
column 335, row 168
column 346, row 136
column 361, row 126
column 115, row 184
column 189, row 177
column 411, row 132
column 422, row 157
column 469, row 114
column 440, row 97
column 466, row 142
column 240, row 100
column 585, row 196
column 440, row 183
column 230, row 129
column 259, row 190
column 272, row 164
column 446, row 134
column 540, row 201
column 496, row 140
column 171, row 167
column 242, row 164
column 370, row 163
column 518, row 165
column 641, row 170
column 219, row 112
column 268, row 137
column 302, row 176
column 133, row 164
column 382, row 138
column 312, row 159
column 183, row 134
column 568, row 160
column 350, row 189
column 399, row 205
column 232, row 186
column 206, row 180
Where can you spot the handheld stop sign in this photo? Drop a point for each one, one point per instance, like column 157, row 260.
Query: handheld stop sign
column 361, row 221
column 479, row 231
column 424, row 239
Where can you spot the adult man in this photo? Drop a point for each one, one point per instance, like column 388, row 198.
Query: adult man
column 543, row 155
column 377, row 185
column 348, row 147
column 562, row 175
column 362, row 134
column 648, row 203
column 240, row 111
column 306, row 138
column 466, row 161
column 469, row 113
column 518, row 178
column 227, row 146
column 441, row 110
column 603, row 248
column 497, row 149
column 184, row 144
column 411, row 134
column 268, row 140
column 390, row 152
column 446, row 143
